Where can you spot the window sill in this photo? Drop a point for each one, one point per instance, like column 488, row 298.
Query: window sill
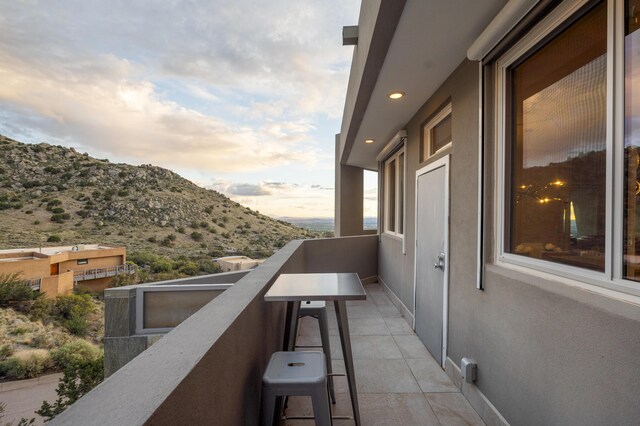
column 559, row 281
column 393, row 235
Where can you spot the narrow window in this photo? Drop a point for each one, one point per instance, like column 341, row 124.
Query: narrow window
column 394, row 193
column 83, row 261
column 436, row 133
column 631, row 261
column 556, row 147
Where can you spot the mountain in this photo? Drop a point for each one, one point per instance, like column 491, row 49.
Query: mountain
column 52, row 195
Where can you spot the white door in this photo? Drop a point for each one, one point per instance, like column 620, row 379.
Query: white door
column 431, row 262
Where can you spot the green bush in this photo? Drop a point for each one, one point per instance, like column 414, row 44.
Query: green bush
column 78, row 379
column 26, row 365
column 54, row 239
column 13, row 290
column 72, row 311
column 196, row 236
column 57, row 210
column 6, row 351
column 75, row 351
column 60, row 217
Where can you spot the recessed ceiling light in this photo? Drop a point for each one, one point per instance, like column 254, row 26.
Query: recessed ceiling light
column 369, row 141
column 395, row 95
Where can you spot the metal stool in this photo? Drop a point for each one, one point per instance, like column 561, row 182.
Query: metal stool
column 296, row 374
column 318, row 310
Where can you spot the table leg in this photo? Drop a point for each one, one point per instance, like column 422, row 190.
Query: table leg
column 291, row 326
column 345, row 340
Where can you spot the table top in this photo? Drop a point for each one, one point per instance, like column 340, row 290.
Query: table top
column 326, row 286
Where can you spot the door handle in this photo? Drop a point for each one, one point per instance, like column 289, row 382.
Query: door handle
column 440, row 263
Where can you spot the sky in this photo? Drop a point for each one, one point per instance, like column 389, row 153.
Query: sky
column 244, row 97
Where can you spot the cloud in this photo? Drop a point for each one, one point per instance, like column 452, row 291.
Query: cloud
column 279, row 198
column 206, row 85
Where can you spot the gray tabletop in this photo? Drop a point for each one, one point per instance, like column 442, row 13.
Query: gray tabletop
column 325, row 286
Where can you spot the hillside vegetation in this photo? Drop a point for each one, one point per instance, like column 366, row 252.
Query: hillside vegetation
column 51, row 195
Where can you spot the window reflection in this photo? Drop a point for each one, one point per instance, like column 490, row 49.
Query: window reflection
column 558, row 147
column 631, row 260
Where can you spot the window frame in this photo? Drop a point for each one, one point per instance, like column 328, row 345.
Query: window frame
column 611, row 279
column 426, row 142
column 82, row 261
column 398, row 212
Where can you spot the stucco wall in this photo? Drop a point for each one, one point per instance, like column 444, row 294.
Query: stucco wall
column 547, row 353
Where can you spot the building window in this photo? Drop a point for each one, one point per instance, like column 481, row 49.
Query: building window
column 556, row 147
column 83, row 261
column 631, row 259
column 436, row 133
column 394, row 193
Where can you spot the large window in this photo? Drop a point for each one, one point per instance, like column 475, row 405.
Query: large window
column 556, row 144
column 394, row 194
column 568, row 129
column 631, row 260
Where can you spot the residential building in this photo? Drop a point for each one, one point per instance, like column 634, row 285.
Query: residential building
column 236, row 263
column 505, row 139
column 56, row 270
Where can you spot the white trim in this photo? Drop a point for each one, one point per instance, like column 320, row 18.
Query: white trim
column 395, row 141
column 610, row 281
column 426, row 132
column 441, row 162
column 479, row 248
column 499, row 27
column 398, row 215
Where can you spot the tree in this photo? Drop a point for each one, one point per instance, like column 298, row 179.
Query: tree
column 78, row 378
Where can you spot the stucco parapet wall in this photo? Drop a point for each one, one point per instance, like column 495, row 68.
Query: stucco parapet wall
column 136, row 391
column 208, row 369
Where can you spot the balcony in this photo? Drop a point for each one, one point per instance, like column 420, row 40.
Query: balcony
column 208, row 369
column 107, row 272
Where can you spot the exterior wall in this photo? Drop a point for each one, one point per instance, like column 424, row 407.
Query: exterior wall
column 547, row 353
column 95, row 286
column 57, row 285
column 94, row 262
column 349, row 193
column 32, row 268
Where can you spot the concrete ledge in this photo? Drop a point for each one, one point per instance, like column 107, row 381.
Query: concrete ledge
column 485, row 409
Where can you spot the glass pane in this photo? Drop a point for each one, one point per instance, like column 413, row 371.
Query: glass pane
column 441, row 134
column 631, row 260
column 391, row 196
column 401, row 193
column 558, row 147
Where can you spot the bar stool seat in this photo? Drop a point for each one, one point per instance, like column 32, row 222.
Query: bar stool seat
column 296, row 374
column 318, row 310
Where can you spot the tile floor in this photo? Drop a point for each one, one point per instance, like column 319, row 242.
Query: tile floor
column 398, row 381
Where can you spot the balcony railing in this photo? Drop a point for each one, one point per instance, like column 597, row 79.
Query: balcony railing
column 110, row 271
column 34, row 283
column 208, row 369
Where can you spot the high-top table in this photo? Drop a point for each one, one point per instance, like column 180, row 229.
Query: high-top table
column 336, row 287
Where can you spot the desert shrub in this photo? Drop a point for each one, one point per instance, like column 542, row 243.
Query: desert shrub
column 203, row 224
column 166, row 242
column 123, row 193
column 208, row 210
column 26, row 364
column 36, row 222
column 54, row 239
column 152, row 239
column 75, row 351
column 78, row 378
column 42, row 309
column 28, row 212
column 196, row 236
column 57, row 210
column 194, row 225
column 52, row 170
column 187, row 267
column 43, row 340
column 72, row 312
column 181, row 229
column 6, row 351
column 60, row 217
column 171, row 237
column 54, row 202
column 13, row 290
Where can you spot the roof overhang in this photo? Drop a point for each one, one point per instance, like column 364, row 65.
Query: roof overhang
column 412, row 47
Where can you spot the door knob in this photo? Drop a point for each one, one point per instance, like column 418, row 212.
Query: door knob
column 440, row 263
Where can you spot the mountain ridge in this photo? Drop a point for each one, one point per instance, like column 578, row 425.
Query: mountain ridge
column 52, row 194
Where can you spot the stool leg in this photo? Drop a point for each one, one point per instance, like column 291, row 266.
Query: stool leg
column 268, row 408
column 321, row 407
column 326, row 347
